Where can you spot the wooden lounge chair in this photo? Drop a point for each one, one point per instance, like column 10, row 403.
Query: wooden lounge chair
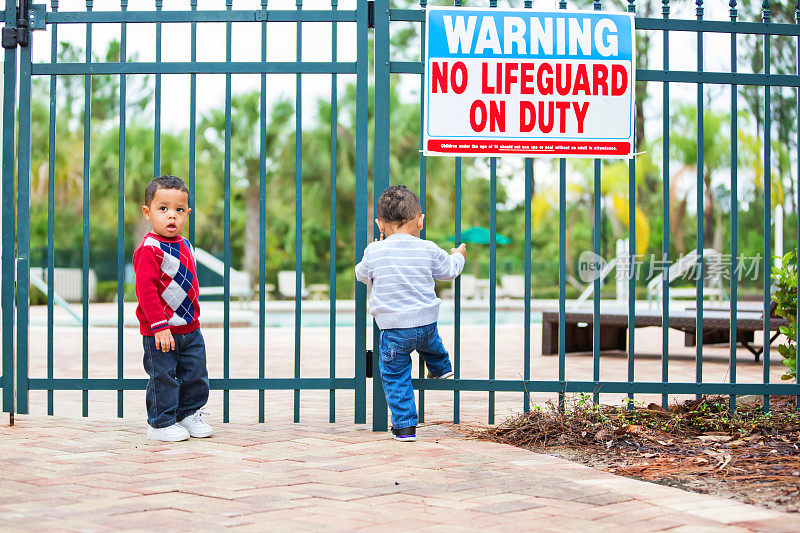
column 614, row 328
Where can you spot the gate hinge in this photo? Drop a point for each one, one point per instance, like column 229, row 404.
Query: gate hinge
column 371, row 14
column 36, row 17
column 29, row 17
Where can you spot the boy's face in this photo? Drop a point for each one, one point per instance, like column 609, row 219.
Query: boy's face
column 168, row 212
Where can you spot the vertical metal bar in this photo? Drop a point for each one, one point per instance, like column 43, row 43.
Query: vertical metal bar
column 23, row 225
column 700, row 218
column 226, row 281
column 526, row 350
column 423, row 178
column 157, row 102
column 262, row 219
column 734, row 210
column 381, row 173
column 526, row 353
column 193, row 128
column 457, row 289
column 123, row 53
column 766, row 18
column 596, row 226
column 797, row 248
column 562, row 267
column 298, row 210
column 334, row 165
column 457, row 301
column 631, row 261
column 423, row 193
column 596, row 293
column 492, row 277
column 87, row 138
column 492, row 269
column 9, row 158
column 665, row 215
column 360, row 393
column 51, row 200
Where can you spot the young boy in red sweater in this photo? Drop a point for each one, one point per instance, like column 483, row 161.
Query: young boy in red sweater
column 169, row 317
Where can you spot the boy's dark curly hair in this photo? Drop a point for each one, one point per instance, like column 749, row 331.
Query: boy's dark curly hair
column 398, row 205
column 163, row 182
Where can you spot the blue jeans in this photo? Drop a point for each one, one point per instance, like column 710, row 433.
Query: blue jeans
column 178, row 383
column 395, row 350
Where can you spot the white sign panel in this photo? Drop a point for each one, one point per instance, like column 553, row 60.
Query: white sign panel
column 530, row 83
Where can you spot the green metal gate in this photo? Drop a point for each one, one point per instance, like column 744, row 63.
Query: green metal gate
column 22, row 20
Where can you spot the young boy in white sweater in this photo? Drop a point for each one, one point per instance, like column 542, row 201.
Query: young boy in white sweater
column 402, row 267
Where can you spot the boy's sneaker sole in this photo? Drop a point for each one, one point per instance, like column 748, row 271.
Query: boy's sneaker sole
column 446, row 375
column 154, row 434
column 408, row 434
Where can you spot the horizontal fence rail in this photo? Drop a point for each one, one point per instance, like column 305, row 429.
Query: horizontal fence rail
column 389, row 61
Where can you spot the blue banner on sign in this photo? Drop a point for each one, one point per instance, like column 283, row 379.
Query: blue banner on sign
column 471, row 33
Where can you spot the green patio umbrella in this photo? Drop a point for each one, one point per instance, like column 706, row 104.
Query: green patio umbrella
column 479, row 235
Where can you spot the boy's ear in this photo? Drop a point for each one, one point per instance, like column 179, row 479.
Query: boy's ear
column 421, row 221
column 146, row 212
column 381, row 225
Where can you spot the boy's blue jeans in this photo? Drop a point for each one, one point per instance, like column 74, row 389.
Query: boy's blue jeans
column 394, row 362
column 178, row 383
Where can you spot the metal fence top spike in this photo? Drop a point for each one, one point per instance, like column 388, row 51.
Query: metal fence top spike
column 597, row 5
column 699, row 11
column 665, row 8
column 631, row 6
column 54, row 4
column 766, row 14
column 733, row 11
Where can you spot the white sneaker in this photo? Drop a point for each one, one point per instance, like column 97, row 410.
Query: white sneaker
column 446, row 375
column 173, row 433
column 195, row 426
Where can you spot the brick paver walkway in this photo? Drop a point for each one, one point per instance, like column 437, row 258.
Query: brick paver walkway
column 93, row 475
column 100, row 473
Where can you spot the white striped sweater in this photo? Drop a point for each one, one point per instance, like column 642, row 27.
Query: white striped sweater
column 402, row 269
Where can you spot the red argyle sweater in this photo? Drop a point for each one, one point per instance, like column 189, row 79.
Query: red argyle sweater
column 166, row 285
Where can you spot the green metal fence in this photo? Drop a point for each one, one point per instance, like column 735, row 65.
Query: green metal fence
column 19, row 36
column 385, row 67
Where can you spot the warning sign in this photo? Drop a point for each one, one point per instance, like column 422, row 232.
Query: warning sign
column 524, row 82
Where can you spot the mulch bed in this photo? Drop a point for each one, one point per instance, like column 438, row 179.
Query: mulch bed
column 748, row 455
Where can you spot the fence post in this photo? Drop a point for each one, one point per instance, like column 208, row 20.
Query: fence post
column 381, row 180
column 362, row 80
column 7, row 287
